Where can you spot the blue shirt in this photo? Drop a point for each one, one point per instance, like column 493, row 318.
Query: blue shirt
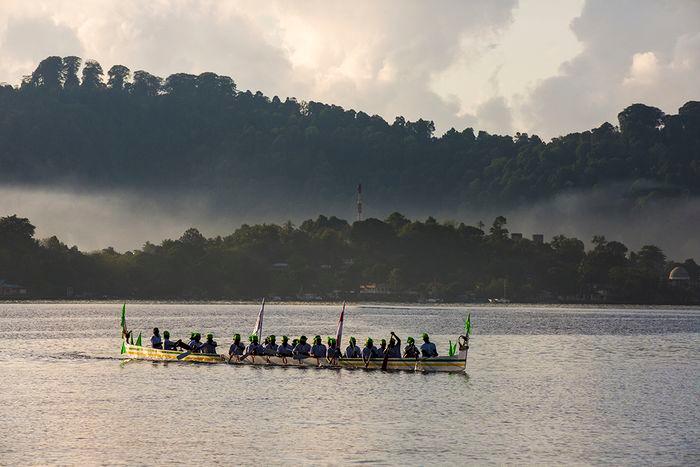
column 302, row 349
column 209, row 347
column 255, row 349
column 284, row 350
column 369, row 352
column 271, row 349
column 169, row 345
column 156, row 342
column 411, row 351
column 395, row 351
column 318, row 350
column 353, row 351
column 333, row 352
column 236, row 349
column 428, row 350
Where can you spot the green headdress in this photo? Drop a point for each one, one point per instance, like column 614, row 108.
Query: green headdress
column 411, row 340
column 369, row 341
column 236, row 337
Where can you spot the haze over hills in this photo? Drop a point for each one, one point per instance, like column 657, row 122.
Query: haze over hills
column 152, row 156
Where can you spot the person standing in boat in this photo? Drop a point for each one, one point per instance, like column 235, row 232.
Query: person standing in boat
column 333, row 353
column 428, row 349
column 302, row 349
column 394, row 348
column 353, row 351
column 284, row 349
column 318, row 350
column 271, row 345
column 411, row 351
column 156, row 341
column 210, row 345
column 370, row 351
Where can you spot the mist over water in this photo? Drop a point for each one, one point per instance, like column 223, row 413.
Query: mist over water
column 125, row 221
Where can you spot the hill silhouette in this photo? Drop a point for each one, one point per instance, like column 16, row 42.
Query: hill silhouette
column 200, row 134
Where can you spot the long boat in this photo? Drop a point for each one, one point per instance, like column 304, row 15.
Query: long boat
column 452, row 364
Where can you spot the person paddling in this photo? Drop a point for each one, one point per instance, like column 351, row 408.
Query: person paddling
column 411, row 351
column 370, row 351
column 284, row 349
column 333, row 352
column 302, row 349
column 156, row 341
column 353, row 351
column 253, row 347
column 271, row 345
column 394, row 347
column 318, row 350
column 237, row 348
column 193, row 343
column 209, row 345
column 381, row 349
column 168, row 344
column 428, row 349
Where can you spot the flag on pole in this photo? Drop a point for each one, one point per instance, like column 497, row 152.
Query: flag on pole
column 339, row 330
column 259, row 323
column 468, row 325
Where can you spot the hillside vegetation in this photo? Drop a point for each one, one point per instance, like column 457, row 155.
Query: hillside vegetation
column 71, row 123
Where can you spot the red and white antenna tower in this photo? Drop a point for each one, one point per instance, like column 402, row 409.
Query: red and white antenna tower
column 359, row 202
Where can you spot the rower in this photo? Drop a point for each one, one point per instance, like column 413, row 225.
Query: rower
column 333, row 352
column 254, row 348
column 370, row 351
column 411, row 351
column 353, row 351
column 318, row 350
column 237, row 348
column 381, row 349
column 284, row 349
column 271, row 346
column 193, row 343
column 167, row 343
column 156, row 341
column 302, row 349
column 196, row 345
column 394, row 348
column 210, row 345
column 428, row 349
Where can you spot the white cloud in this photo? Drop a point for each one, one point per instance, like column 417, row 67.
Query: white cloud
column 542, row 66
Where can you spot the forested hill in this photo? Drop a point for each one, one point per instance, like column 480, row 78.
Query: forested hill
column 69, row 122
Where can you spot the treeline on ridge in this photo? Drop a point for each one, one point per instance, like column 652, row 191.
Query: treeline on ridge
column 69, row 121
column 329, row 258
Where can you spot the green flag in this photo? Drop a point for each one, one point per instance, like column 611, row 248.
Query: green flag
column 123, row 322
column 468, row 325
column 138, row 340
column 123, row 347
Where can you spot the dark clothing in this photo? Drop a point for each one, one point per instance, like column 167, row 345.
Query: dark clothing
column 208, row 347
column 169, row 345
column 236, row 349
column 411, row 351
column 156, row 342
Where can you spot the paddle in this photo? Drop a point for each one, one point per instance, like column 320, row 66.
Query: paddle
column 184, row 354
column 386, row 357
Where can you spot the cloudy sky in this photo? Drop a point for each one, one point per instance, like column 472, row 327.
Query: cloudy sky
column 541, row 66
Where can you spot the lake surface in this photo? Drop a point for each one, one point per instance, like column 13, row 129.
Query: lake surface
column 543, row 385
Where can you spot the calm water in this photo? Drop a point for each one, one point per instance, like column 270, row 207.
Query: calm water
column 544, row 385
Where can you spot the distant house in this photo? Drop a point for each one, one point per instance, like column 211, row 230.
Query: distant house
column 11, row 290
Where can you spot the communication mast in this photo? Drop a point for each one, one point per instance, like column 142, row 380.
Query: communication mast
column 359, row 202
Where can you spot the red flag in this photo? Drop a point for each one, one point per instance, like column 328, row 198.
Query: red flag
column 339, row 331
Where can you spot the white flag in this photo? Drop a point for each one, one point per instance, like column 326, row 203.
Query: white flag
column 259, row 323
